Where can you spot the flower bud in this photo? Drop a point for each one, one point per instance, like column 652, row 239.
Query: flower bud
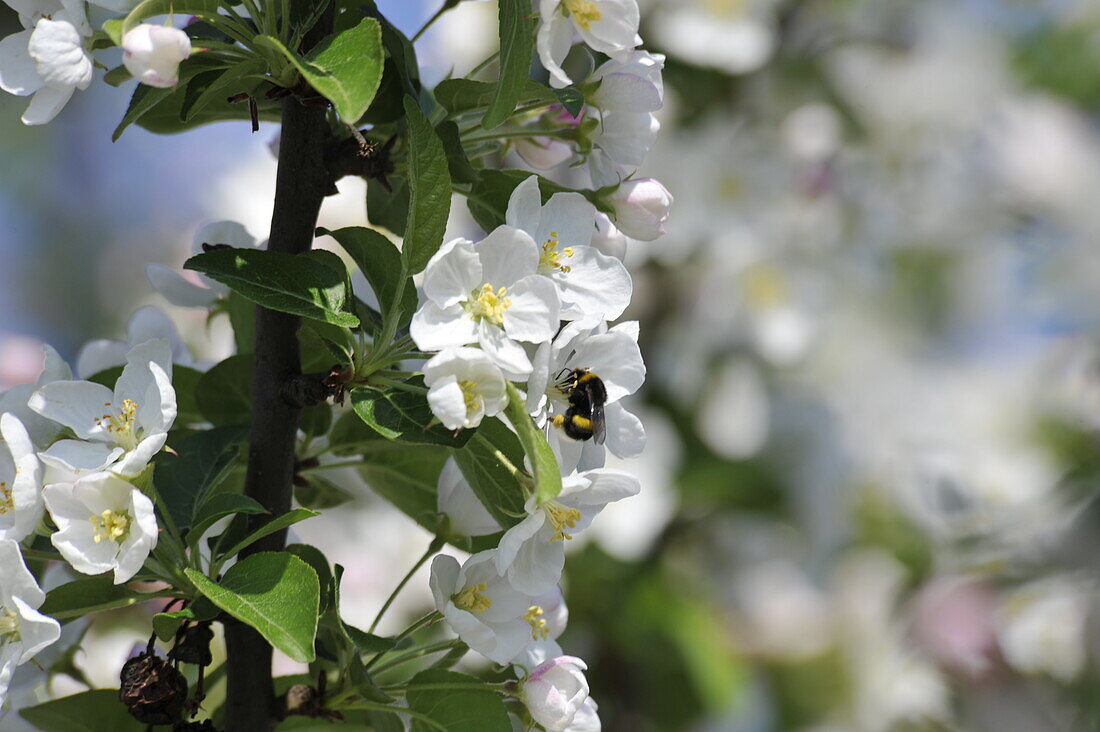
column 152, row 53
column 641, row 208
column 555, row 691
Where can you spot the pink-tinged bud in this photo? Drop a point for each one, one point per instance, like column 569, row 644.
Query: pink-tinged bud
column 641, row 208
column 152, row 53
column 555, row 691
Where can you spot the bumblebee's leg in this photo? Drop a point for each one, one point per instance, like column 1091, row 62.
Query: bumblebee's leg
column 558, row 421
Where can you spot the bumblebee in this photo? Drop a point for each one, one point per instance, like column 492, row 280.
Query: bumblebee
column 587, row 395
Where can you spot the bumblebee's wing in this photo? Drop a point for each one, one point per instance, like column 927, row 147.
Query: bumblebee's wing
column 599, row 428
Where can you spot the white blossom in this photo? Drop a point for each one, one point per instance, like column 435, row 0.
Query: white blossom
column 613, row 355
column 547, row 616
column 555, row 692
column 152, row 53
column 20, row 486
column 464, row 387
column 42, row 431
column 104, row 524
column 532, row 553
column 180, row 291
column 145, row 324
column 481, row 606
column 121, row 429
column 608, row 239
column 47, row 59
column 586, row 719
column 23, row 630
column 607, row 26
column 465, row 513
column 488, row 293
column 590, row 284
column 1042, row 628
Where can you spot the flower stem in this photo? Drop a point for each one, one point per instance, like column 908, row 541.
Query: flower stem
column 417, row 625
column 417, row 653
column 432, row 549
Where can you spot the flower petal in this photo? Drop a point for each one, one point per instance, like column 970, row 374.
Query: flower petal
column 452, row 274
column 46, row 103
column 18, row 74
column 434, row 328
column 533, row 314
column 507, row 255
column 78, row 405
column 525, row 207
column 177, row 289
column 59, row 56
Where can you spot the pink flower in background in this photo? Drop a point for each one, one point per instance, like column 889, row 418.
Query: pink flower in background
column 954, row 621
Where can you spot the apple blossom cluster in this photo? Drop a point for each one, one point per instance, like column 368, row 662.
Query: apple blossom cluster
column 77, row 489
column 494, row 312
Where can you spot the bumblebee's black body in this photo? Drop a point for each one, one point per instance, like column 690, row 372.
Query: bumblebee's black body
column 587, row 396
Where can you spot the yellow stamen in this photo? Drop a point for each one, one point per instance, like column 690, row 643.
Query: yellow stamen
column 473, row 599
column 561, row 518
column 551, row 255
column 121, row 426
column 470, row 395
column 6, row 503
column 9, row 626
column 110, row 526
column 584, row 12
column 540, row 629
column 489, row 304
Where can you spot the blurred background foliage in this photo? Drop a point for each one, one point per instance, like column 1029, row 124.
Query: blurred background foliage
column 871, row 331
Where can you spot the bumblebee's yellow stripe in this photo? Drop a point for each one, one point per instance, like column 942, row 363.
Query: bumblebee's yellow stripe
column 582, row 423
column 587, row 377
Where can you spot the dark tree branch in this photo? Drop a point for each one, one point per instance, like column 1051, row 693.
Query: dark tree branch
column 301, row 183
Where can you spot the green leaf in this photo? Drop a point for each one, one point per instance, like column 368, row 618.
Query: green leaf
column 224, row 393
column 368, row 642
column 219, row 506
column 88, row 595
column 466, row 95
column 276, row 524
column 315, row 558
column 165, row 625
column 276, row 593
column 407, row 476
column 345, row 67
column 493, row 484
column 404, row 416
column 212, row 86
column 145, row 97
column 389, row 208
column 117, row 76
column 291, row 283
column 88, row 711
column 380, row 261
column 151, row 8
column 242, row 316
column 537, row 449
column 113, row 29
column 430, row 190
column 166, row 118
column 461, row 709
column 320, row 493
column 315, row 421
column 202, row 462
column 516, row 38
column 457, row 161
